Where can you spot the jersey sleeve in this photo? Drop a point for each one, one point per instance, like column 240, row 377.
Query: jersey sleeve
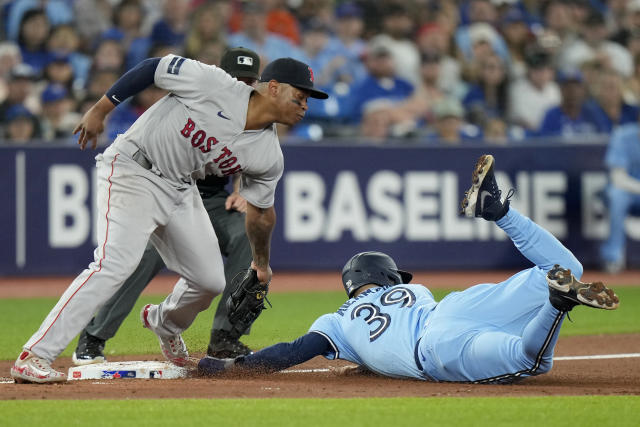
column 260, row 189
column 190, row 79
column 327, row 326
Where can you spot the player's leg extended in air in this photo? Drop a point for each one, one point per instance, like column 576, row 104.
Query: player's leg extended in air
column 509, row 330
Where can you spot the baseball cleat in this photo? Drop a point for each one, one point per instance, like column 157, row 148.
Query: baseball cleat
column 483, row 198
column 29, row 368
column 212, row 365
column 223, row 345
column 173, row 347
column 89, row 350
column 565, row 291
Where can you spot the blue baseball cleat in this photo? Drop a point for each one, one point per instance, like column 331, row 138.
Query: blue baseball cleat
column 483, row 198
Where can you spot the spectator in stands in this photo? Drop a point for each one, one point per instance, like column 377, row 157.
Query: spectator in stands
column 20, row 89
column 530, row 97
column 348, row 43
column 9, row 57
column 109, row 55
column 381, row 81
column 398, row 24
column 171, row 28
column 574, row 119
column 609, row 104
column 211, row 52
column 58, row 116
column 57, row 12
column 34, row 31
column 433, row 38
column 482, row 22
column 65, row 40
column 594, row 44
column 628, row 23
column 488, row 96
column 20, row 125
column 495, row 131
column 518, row 36
column 93, row 17
column 128, row 17
column 633, row 83
column 282, row 22
column 417, row 110
column 319, row 54
column 623, row 193
column 376, row 121
column 254, row 36
column 206, row 28
column 59, row 70
column 450, row 127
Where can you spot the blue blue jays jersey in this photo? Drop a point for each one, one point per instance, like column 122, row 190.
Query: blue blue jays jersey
column 379, row 329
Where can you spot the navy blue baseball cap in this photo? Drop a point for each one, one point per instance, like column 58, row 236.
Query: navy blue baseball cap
column 293, row 72
column 16, row 112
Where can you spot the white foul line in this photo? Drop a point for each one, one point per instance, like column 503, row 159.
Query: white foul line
column 593, row 357
column 304, row 371
column 599, row 356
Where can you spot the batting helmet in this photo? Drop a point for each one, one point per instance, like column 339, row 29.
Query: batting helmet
column 371, row 267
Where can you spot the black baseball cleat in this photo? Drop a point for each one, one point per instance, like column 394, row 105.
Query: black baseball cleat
column 483, row 198
column 224, row 346
column 565, row 292
column 89, row 350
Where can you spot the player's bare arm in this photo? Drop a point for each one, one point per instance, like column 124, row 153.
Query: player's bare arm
column 259, row 224
column 132, row 82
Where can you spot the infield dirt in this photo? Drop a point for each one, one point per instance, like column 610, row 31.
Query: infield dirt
column 618, row 376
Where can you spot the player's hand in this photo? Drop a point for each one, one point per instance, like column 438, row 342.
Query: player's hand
column 236, row 202
column 92, row 123
column 89, row 127
column 264, row 274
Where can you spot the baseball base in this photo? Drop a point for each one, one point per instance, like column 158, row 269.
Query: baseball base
column 127, row 370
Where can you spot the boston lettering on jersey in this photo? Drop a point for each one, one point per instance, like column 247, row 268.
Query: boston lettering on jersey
column 199, row 140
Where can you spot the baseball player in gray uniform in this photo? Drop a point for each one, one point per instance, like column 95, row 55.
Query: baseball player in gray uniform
column 209, row 123
column 227, row 209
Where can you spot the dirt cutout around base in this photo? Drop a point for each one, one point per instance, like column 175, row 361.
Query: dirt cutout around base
column 619, row 376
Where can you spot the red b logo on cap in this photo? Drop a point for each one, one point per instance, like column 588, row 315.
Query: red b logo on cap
column 310, row 74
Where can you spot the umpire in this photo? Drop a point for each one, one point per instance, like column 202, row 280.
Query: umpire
column 229, row 225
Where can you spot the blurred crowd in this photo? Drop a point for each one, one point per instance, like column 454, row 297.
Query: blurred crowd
column 427, row 71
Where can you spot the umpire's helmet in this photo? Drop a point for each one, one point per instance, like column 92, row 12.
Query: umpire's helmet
column 371, row 267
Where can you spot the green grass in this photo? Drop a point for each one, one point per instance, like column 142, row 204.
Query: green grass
column 533, row 411
column 291, row 316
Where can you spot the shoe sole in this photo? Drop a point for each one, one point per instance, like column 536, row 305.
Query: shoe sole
column 18, row 378
column 483, row 165
column 83, row 362
column 595, row 294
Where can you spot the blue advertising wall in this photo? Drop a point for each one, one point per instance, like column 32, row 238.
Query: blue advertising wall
column 334, row 201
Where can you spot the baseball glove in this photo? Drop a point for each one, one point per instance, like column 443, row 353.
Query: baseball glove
column 246, row 301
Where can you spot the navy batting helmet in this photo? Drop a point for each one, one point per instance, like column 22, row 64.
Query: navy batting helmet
column 371, row 267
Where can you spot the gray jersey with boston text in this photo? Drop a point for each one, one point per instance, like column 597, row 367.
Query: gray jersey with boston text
column 198, row 129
